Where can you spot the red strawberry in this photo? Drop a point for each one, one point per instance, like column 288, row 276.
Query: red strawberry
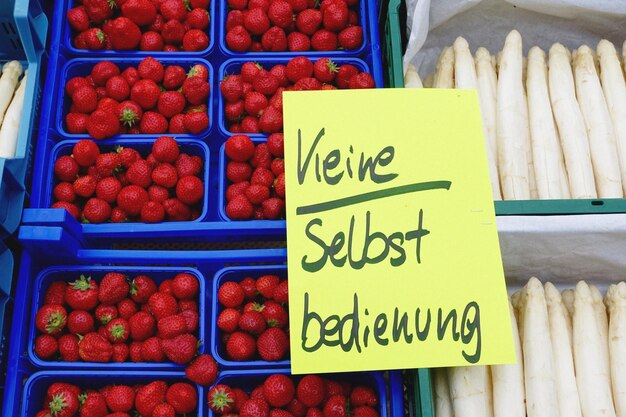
column 278, row 390
column 275, row 314
column 280, row 13
column 173, row 9
column 113, row 288
column 153, row 123
column 237, row 4
column 262, row 176
column 298, row 42
column 94, row 348
column 257, row 393
column 158, row 193
column 256, row 21
column 131, row 199
column 203, row 370
column 255, row 103
column 234, row 190
column 325, row 70
column 234, row 111
column 280, row 294
column 142, row 326
column 51, row 319
column 151, row 69
column 198, row 19
column 140, row 173
column 202, row 4
column 46, row 346
column 80, row 322
column 93, row 404
column 117, row 330
column 165, row 149
column 173, row 33
column 59, row 387
column 249, row 72
column 252, row 322
column 151, row 350
column 296, row 408
column 185, row 286
column 66, row 168
column 129, row 113
column 254, row 408
column 182, row 396
column 85, row 186
column 76, row 123
column 234, row 18
column 228, row 320
column 189, row 189
column 273, row 344
column 184, row 305
column 314, row 412
column 123, row 33
column 351, row 37
column 172, row 326
column 231, row 88
column 149, row 397
column 96, row 211
column 240, row 397
column 71, row 208
column 238, row 39
column 98, row 10
column 180, row 349
column 107, row 164
column 78, row 18
column 195, row 40
column 120, row 397
column 102, row 124
column 311, row 390
column 199, row 70
column 274, row 208
column 298, row 68
column 117, row 88
column 344, row 74
column 362, row 395
column 177, row 125
column 82, row 294
column 324, row 40
column 164, row 410
column 151, row 41
column 145, row 93
column 240, row 346
column 93, row 39
column 106, row 313
column 364, row 411
column 196, row 122
column 230, row 294
column 55, row 293
column 266, row 285
column 249, row 288
column 176, row 210
column 191, row 318
column 165, row 175
column 257, row 193
column 64, row 404
column 196, row 90
column 142, row 288
column 102, row 71
column 239, row 208
column 274, row 40
column 174, row 77
column 361, row 80
column 85, row 99
column 336, row 16
column 336, row 406
column 108, row 189
column 298, row 5
column 221, row 398
column 141, row 12
column 309, row 21
column 162, row 305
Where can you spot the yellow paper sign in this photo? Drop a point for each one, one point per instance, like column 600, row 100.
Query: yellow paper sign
column 393, row 251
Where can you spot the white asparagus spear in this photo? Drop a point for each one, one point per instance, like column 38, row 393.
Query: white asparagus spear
column 487, row 83
column 470, row 391
column 614, row 89
column 428, row 81
column 616, row 301
column 594, row 385
column 570, row 123
column 541, row 395
column 561, row 337
column 412, row 78
column 568, row 297
column 443, row 404
column 508, row 380
column 603, row 325
column 10, row 129
column 444, row 71
column 11, row 73
column 547, row 155
column 464, row 68
column 513, row 140
column 624, row 56
column 595, row 112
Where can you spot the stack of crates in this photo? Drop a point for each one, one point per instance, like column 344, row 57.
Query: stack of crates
column 58, row 247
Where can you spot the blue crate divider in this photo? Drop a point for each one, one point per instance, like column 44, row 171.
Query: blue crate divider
column 237, row 274
column 23, row 30
column 37, row 384
column 6, row 280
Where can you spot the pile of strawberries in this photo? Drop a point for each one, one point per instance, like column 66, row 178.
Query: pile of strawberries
column 156, row 399
column 254, row 100
column 293, row 25
column 147, row 25
column 119, row 319
column 148, row 99
column 279, row 396
column 254, row 318
column 122, row 186
column 256, row 175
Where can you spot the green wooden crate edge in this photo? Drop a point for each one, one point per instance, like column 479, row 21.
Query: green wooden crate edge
column 393, row 45
column 419, row 387
column 560, row 207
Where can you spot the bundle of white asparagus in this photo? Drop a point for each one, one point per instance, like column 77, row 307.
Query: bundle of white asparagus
column 554, row 124
column 11, row 105
column 571, row 350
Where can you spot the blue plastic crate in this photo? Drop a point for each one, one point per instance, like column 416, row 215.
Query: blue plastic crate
column 67, row 47
column 37, row 384
column 371, row 40
column 82, row 67
column 71, row 273
column 237, row 274
column 143, row 146
column 6, row 281
column 233, row 66
column 23, row 30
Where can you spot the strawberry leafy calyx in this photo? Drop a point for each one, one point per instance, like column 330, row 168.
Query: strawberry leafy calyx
column 57, row 404
column 55, row 322
column 220, row 399
column 117, row 331
column 82, row 284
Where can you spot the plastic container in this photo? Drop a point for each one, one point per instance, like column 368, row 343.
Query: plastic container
column 36, row 386
column 143, row 146
column 82, row 67
column 233, row 66
column 71, row 273
column 237, row 274
column 419, row 393
column 24, row 27
column 367, row 14
column 67, row 47
column 6, row 280
column 392, row 46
